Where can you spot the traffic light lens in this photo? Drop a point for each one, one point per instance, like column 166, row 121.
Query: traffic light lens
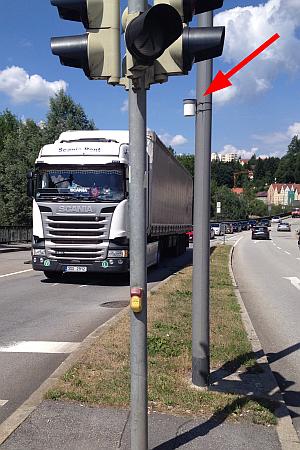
column 148, row 35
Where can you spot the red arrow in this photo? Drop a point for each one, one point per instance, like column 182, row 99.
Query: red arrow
column 221, row 80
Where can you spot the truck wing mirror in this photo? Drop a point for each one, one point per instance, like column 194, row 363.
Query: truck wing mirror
column 30, row 183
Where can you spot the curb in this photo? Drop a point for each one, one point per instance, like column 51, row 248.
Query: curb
column 33, row 401
column 286, row 432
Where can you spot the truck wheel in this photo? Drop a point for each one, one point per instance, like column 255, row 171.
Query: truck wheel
column 52, row 275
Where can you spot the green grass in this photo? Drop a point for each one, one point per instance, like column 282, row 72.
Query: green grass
column 102, row 376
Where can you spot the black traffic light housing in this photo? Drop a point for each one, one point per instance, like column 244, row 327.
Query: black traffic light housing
column 97, row 51
column 152, row 32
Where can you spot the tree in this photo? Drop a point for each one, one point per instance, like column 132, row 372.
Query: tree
column 64, row 114
column 188, row 161
column 297, row 169
column 19, row 151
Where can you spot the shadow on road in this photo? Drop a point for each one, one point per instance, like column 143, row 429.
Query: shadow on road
column 167, row 267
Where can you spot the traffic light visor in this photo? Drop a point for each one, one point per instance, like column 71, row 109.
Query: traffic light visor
column 72, row 51
column 150, row 34
column 75, row 10
column 202, row 6
column 200, row 44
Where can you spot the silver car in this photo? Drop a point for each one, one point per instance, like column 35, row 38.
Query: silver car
column 219, row 228
column 284, row 226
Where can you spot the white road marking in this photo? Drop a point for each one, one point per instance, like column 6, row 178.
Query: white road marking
column 15, row 273
column 83, row 285
column 279, row 248
column 236, row 242
column 288, row 253
column 40, row 347
column 298, row 259
column 3, row 402
column 294, row 281
column 231, row 237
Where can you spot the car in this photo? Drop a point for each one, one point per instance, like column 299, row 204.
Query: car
column 237, row 227
column 260, row 232
column 265, row 222
column 212, row 233
column 190, row 235
column 284, row 226
column 228, row 228
column 252, row 223
column 276, row 219
column 245, row 225
column 219, row 228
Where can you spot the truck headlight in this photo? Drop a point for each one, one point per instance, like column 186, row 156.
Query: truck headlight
column 117, row 253
column 39, row 251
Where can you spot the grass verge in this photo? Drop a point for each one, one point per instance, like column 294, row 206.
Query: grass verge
column 102, row 376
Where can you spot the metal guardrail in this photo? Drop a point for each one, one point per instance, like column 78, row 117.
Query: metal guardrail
column 15, row 234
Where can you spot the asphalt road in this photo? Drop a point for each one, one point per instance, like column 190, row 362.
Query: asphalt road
column 42, row 322
column 268, row 277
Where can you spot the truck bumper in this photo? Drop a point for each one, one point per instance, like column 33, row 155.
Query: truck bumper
column 112, row 265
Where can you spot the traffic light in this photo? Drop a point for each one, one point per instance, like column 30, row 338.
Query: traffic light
column 194, row 44
column 97, row 51
column 147, row 35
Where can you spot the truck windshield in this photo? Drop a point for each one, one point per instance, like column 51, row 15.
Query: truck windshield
column 72, row 184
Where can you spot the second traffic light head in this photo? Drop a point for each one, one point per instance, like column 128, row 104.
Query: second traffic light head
column 89, row 12
column 200, row 44
column 151, row 33
column 188, row 8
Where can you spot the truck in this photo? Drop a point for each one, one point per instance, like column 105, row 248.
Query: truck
column 79, row 186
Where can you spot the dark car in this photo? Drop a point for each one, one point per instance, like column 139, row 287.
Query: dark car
column 260, row 232
column 265, row 222
column 252, row 223
column 245, row 225
column 237, row 227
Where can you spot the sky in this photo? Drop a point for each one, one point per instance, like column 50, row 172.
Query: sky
column 260, row 113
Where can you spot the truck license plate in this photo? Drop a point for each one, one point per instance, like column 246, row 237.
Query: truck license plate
column 76, row 269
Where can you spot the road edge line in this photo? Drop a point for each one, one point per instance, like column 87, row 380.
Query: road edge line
column 286, row 432
column 35, row 399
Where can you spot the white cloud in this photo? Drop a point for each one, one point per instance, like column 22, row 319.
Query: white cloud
column 174, row 141
column 294, row 130
column 124, row 107
column 21, row 87
column 279, row 140
column 242, row 153
column 246, row 29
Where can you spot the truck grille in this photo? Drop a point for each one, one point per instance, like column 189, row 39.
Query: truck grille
column 81, row 237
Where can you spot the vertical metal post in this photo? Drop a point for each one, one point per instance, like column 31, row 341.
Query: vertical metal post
column 201, row 253
column 138, row 244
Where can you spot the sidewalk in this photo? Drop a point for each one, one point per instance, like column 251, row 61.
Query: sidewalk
column 69, row 426
column 14, row 247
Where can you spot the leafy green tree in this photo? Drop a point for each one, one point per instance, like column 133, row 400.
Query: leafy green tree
column 287, row 171
column 64, row 114
column 188, row 161
column 297, row 169
column 20, row 148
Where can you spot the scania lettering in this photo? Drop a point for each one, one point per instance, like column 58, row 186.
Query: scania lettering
column 79, row 188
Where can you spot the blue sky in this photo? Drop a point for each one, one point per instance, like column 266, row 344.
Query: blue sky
column 259, row 113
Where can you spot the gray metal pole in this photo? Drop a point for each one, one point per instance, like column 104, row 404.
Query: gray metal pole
column 201, row 253
column 138, row 270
